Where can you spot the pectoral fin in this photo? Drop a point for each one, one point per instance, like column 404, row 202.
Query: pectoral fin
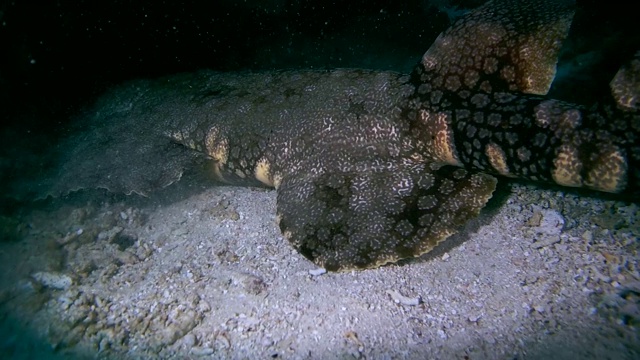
column 358, row 220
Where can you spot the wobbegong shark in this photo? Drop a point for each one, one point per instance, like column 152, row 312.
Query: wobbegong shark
column 371, row 167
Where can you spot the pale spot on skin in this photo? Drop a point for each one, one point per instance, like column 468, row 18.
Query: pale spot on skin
column 262, row 172
column 610, row 174
column 567, row 167
column 217, row 146
column 277, row 180
column 442, row 145
column 497, row 159
column 240, row 174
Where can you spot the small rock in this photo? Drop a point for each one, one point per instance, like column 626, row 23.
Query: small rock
column 552, row 223
column 317, row 272
column 401, row 299
column 126, row 257
column 70, row 237
column 201, row 351
column 110, row 234
column 546, row 242
column 587, row 236
column 474, row 318
column 203, row 306
column 535, row 219
column 167, row 336
column 266, row 341
column 189, row 340
column 53, row 280
column 539, row 308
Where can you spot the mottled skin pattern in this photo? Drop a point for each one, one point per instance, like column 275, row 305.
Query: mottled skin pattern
column 468, row 84
column 362, row 159
column 353, row 192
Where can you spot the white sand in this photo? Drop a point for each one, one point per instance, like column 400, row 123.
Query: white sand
column 203, row 272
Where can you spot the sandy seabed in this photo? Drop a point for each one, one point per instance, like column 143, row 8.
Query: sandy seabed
column 203, row 272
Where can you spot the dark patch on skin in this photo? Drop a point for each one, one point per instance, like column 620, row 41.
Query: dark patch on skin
column 358, row 109
column 289, row 92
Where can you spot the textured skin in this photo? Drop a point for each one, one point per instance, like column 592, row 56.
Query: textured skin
column 362, row 160
column 469, row 89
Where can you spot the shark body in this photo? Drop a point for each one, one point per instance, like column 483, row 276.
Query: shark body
column 371, row 166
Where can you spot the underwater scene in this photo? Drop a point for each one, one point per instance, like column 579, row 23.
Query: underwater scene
column 319, row 180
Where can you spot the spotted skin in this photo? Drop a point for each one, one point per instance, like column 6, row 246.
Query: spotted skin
column 267, row 127
column 472, row 91
column 364, row 219
column 538, row 139
column 372, row 167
